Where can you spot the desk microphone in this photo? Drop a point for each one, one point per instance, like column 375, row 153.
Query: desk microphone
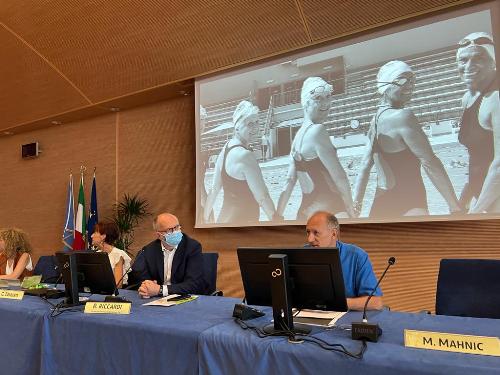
column 364, row 330
column 114, row 297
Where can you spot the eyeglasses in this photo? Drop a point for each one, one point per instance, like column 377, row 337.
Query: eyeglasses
column 480, row 41
column 404, row 81
column 317, row 92
column 169, row 230
column 400, row 81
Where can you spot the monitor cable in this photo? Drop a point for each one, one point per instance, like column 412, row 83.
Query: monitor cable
column 298, row 338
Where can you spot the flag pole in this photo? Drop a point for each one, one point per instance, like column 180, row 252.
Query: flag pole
column 80, row 224
column 93, row 217
column 68, row 235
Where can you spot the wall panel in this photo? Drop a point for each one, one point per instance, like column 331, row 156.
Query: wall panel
column 330, row 18
column 33, row 191
column 150, row 149
column 156, row 159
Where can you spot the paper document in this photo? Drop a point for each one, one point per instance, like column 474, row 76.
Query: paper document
column 9, row 282
column 166, row 301
column 318, row 317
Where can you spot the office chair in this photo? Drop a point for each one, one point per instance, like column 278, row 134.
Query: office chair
column 469, row 287
column 48, row 267
column 210, row 273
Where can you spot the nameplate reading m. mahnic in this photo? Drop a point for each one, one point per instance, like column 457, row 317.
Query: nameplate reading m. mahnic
column 451, row 342
column 11, row 294
column 107, row 308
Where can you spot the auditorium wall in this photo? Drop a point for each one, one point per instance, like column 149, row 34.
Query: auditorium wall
column 150, row 151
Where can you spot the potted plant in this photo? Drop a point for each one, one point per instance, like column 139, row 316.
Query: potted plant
column 128, row 213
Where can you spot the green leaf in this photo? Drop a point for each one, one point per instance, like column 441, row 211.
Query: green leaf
column 129, row 211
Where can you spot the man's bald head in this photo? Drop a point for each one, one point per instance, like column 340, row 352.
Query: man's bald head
column 322, row 229
column 165, row 221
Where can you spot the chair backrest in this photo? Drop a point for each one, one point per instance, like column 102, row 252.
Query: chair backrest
column 48, row 267
column 210, row 271
column 469, row 287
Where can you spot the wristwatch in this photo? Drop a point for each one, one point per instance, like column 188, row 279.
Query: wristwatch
column 160, row 293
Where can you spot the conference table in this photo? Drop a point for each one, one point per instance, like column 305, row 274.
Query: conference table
column 201, row 337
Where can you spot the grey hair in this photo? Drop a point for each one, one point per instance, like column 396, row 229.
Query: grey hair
column 331, row 219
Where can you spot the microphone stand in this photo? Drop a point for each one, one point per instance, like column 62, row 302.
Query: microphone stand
column 114, row 297
column 364, row 330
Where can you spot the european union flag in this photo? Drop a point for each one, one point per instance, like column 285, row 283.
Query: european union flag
column 93, row 217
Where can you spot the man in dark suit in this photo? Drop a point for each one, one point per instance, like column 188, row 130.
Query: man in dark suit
column 172, row 263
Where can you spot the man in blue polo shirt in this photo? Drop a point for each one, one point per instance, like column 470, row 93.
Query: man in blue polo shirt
column 323, row 231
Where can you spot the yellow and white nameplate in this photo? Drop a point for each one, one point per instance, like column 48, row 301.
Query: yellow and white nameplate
column 450, row 342
column 107, row 308
column 11, row 294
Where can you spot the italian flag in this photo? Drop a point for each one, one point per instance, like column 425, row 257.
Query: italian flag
column 79, row 242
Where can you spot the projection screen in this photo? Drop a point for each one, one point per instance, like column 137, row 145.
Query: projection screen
column 398, row 125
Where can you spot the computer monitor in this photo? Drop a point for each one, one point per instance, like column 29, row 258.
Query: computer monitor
column 315, row 278
column 86, row 271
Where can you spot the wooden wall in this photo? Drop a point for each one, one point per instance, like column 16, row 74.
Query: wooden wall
column 150, row 150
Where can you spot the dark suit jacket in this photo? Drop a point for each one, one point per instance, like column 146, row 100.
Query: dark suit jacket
column 187, row 266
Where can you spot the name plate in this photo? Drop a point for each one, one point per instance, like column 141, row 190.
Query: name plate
column 450, row 342
column 11, row 294
column 107, row 308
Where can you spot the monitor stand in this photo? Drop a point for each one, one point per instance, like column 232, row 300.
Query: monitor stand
column 281, row 299
column 117, row 299
column 71, row 286
column 68, row 304
column 298, row 329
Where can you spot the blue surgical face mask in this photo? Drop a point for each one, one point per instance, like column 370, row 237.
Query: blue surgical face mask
column 173, row 239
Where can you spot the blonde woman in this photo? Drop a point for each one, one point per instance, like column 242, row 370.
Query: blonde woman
column 15, row 254
column 398, row 148
column 313, row 160
column 239, row 175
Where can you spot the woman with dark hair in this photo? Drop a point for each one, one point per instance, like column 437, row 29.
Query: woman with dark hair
column 15, row 254
column 104, row 237
column 398, row 147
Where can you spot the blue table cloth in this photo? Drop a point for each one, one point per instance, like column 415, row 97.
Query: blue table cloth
column 152, row 339
column 228, row 349
column 21, row 330
column 201, row 337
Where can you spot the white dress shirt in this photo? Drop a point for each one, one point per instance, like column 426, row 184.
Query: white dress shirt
column 168, row 257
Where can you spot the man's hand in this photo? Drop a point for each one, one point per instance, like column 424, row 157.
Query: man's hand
column 149, row 288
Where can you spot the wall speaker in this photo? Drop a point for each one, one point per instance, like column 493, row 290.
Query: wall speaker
column 29, row 150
